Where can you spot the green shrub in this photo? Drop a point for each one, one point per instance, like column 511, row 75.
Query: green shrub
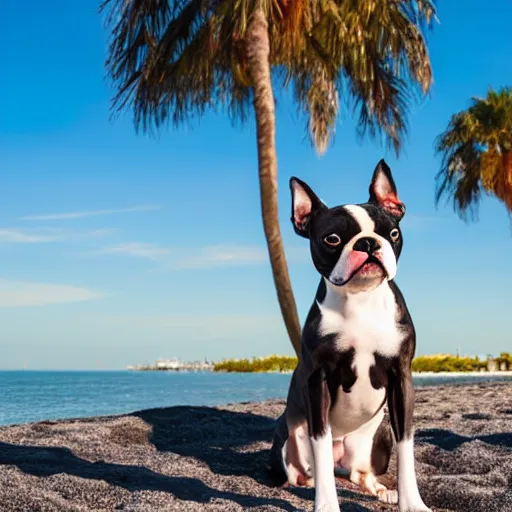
column 431, row 363
column 257, row 364
column 506, row 358
column 447, row 363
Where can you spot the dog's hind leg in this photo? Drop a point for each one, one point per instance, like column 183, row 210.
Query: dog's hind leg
column 291, row 457
column 298, row 456
column 365, row 454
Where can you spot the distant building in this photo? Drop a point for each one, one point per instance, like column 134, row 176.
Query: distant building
column 174, row 365
column 168, row 364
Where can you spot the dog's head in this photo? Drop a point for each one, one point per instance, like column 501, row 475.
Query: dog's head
column 354, row 247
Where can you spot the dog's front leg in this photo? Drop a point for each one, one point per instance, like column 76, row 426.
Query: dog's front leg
column 326, row 497
column 401, row 406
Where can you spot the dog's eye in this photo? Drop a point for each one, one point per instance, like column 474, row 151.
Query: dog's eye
column 332, row 240
column 395, row 234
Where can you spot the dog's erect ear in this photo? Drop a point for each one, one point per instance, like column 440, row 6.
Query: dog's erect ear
column 383, row 191
column 305, row 203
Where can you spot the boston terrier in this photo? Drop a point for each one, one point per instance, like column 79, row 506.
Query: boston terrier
column 357, row 346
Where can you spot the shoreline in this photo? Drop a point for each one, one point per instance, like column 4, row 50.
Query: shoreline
column 274, row 363
column 128, row 393
column 427, row 375
column 504, row 373
column 210, row 459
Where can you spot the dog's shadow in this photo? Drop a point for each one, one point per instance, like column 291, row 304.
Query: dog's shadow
column 226, row 437
column 46, row 461
column 214, row 436
column 219, row 438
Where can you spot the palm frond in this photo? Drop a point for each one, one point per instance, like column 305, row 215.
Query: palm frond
column 459, row 177
column 323, row 106
column 376, row 52
column 171, row 60
column 476, row 153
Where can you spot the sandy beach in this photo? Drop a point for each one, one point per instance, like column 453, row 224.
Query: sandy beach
column 215, row 459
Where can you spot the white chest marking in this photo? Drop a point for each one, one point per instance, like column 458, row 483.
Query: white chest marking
column 364, row 321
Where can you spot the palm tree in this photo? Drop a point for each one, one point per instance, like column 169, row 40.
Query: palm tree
column 171, row 60
column 476, row 151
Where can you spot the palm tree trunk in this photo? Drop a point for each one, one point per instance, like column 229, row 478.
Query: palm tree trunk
column 259, row 69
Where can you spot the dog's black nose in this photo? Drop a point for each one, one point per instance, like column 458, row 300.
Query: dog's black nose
column 367, row 244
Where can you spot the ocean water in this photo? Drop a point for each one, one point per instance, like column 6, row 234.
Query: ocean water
column 27, row 396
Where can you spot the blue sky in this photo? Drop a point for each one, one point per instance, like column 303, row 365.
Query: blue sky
column 119, row 249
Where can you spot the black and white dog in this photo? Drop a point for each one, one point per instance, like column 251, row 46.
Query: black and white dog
column 357, row 346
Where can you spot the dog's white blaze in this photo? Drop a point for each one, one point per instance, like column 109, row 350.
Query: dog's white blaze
column 361, row 216
column 408, row 494
column 326, row 497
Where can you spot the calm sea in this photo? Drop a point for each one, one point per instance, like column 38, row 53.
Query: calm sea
column 34, row 396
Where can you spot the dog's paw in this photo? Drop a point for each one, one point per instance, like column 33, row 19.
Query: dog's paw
column 303, row 481
column 387, row 495
column 369, row 482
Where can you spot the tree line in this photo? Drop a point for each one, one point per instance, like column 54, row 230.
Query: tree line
column 430, row 363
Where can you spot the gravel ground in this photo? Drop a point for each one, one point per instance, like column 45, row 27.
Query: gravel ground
column 215, row 459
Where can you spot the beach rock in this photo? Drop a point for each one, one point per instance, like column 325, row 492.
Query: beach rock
column 215, row 459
